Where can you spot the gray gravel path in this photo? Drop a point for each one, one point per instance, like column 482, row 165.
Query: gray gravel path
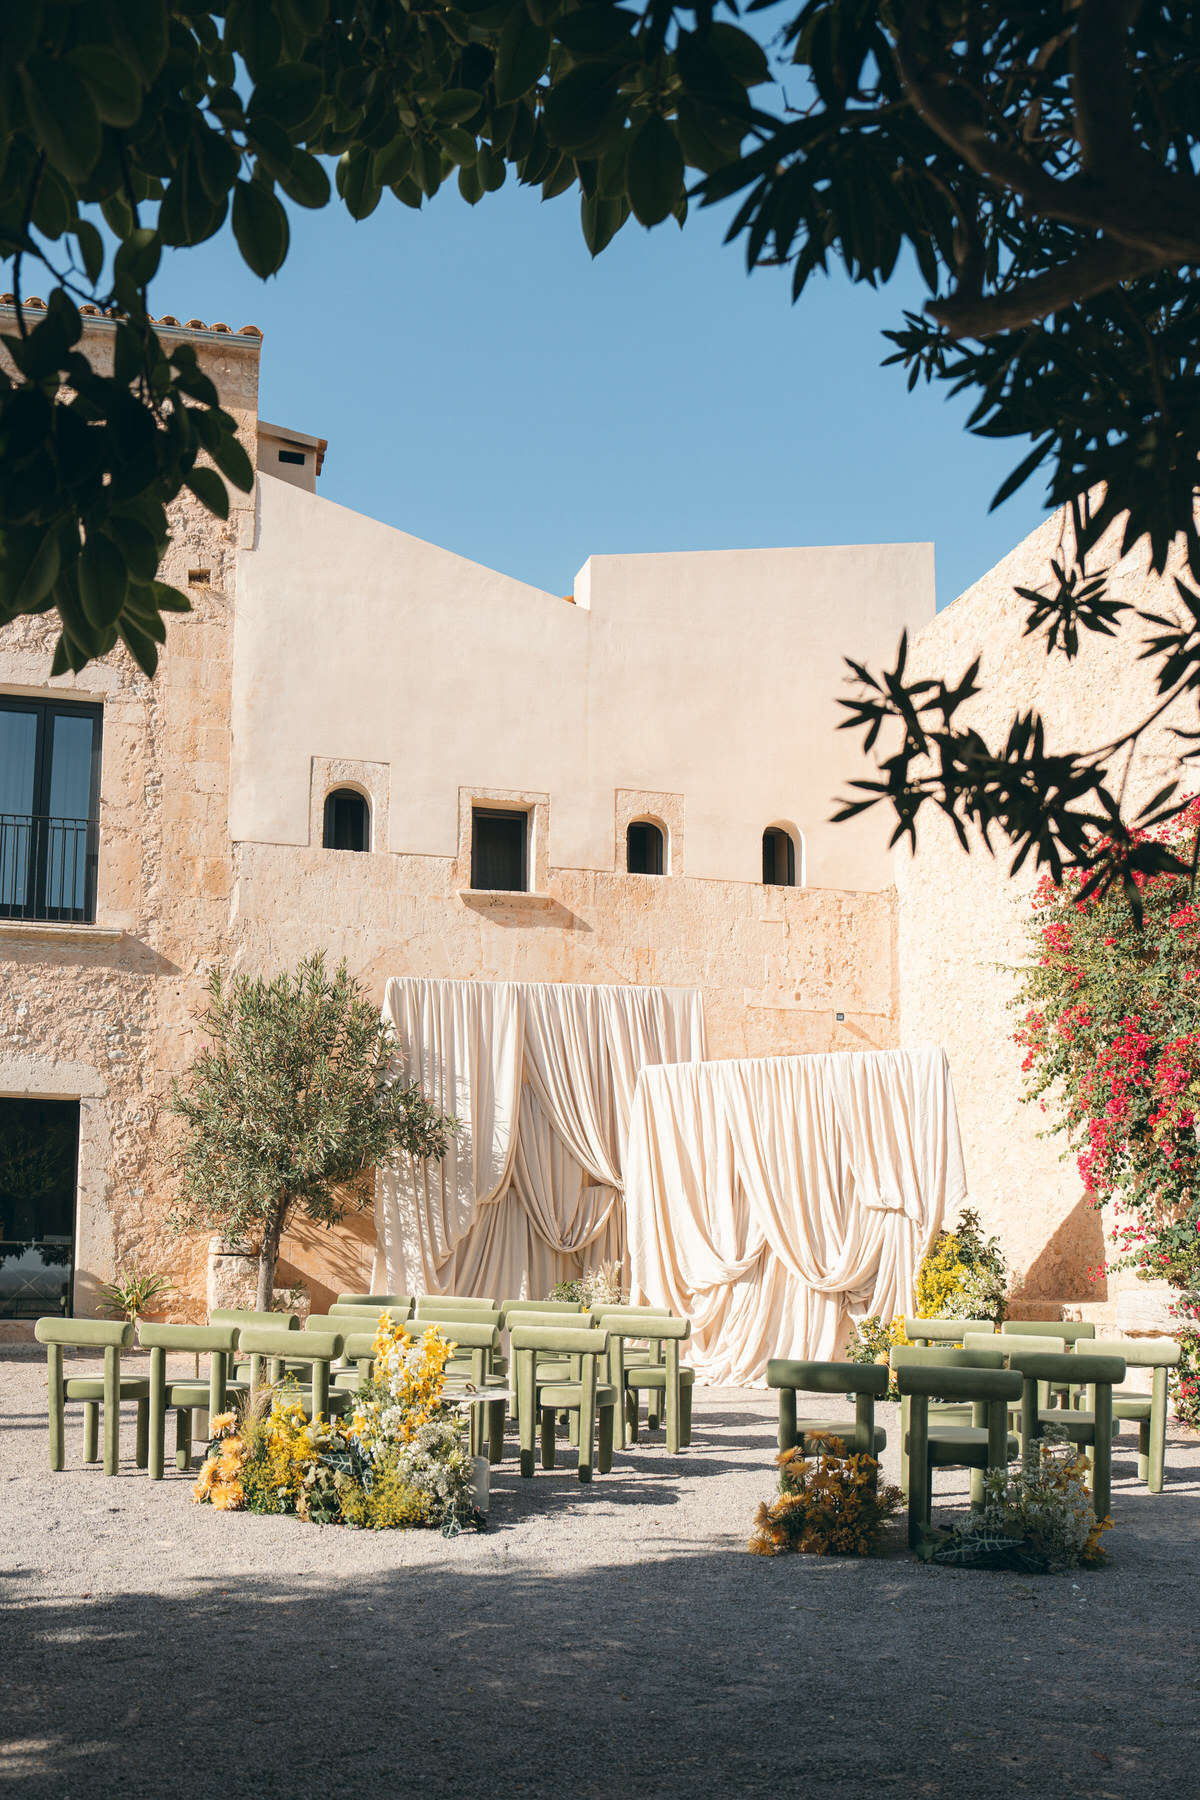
column 611, row 1643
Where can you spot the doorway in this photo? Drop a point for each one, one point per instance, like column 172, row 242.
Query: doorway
column 39, row 1156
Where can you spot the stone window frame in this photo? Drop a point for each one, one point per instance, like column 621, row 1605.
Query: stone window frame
column 635, row 806
column 535, row 805
column 373, row 780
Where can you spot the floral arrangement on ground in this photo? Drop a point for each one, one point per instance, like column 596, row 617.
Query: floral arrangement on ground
column 829, row 1505
column 595, row 1287
column 1037, row 1516
column 398, row 1461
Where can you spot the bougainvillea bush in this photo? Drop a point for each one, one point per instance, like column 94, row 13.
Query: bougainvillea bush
column 1111, row 1032
column 400, row 1460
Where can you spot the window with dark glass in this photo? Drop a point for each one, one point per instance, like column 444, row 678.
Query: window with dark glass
column 779, row 858
column 347, row 821
column 39, row 1152
column 49, row 809
column 644, row 849
column 499, row 850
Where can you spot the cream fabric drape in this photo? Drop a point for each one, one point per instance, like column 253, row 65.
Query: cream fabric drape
column 772, row 1199
column 541, row 1077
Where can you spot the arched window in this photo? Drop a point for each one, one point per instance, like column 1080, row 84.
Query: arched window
column 347, row 821
column 779, row 858
column 644, row 848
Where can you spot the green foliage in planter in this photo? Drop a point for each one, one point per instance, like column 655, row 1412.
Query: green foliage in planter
column 964, row 1275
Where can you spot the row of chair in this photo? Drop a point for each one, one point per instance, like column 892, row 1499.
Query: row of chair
column 575, row 1366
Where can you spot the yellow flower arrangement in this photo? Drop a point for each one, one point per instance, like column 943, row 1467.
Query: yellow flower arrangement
column 413, row 1374
column 834, row 1506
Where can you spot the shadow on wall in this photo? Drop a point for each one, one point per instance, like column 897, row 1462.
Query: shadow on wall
column 329, row 1260
column 1060, row 1272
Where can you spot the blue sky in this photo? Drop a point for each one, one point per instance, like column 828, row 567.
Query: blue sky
column 485, row 385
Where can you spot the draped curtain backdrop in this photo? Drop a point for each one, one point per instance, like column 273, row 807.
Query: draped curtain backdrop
column 541, row 1078
column 772, row 1200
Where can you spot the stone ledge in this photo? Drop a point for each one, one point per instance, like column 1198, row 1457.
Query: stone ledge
column 483, row 899
column 54, row 931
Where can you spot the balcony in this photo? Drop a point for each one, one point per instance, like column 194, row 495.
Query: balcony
column 48, row 867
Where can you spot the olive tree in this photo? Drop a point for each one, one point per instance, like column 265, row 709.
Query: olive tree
column 288, row 1101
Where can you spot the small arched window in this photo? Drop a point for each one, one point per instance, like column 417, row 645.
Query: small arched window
column 644, row 848
column 779, row 858
column 347, row 821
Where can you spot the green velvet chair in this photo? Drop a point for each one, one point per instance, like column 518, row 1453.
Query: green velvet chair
column 634, row 1352
column 249, row 1374
column 375, row 1300
column 921, row 1332
column 868, row 1382
column 1089, row 1426
column 1013, row 1345
column 314, row 1350
column 932, row 1445
column 945, row 1412
column 590, row 1397
column 1147, row 1411
column 218, row 1343
column 1071, row 1331
column 667, row 1382
column 112, row 1336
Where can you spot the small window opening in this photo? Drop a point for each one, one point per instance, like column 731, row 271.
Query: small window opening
column 779, row 858
column 499, row 850
column 347, row 821
column 198, row 578
column 644, row 849
column 292, row 456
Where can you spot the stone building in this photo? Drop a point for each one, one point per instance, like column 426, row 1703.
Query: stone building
column 360, row 742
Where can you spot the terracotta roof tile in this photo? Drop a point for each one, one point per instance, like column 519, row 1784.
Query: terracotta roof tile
column 35, row 304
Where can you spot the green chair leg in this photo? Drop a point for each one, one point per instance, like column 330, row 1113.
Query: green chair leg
column 671, row 1397
column 685, row 1416
column 57, row 1406
column 604, row 1455
column 1157, row 1447
column 183, row 1438
column 112, row 1409
column 141, row 1455
column 548, row 1430
column 91, row 1431
column 632, row 1406
column 158, row 1412
column 920, row 1509
column 1102, row 1450
column 320, row 1390
column 495, row 1412
column 1144, row 1451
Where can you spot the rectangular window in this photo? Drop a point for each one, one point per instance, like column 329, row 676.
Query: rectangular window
column 39, row 1155
column 499, row 850
column 49, row 809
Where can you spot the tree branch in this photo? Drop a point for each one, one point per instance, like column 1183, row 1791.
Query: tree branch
column 1097, row 267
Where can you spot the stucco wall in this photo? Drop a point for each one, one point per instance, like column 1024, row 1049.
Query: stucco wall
column 708, row 676
column 962, row 921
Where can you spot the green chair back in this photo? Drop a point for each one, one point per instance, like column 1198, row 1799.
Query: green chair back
column 1070, row 1331
column 943, row 1331
column 316, row 1348
column 233, row 1315
column 375, row 1300
column 508, row 1307
column 352, row 1312
column 465, row 1302
column 1142, row 1353
column 942, row 1356
column 453, row 1316
column 1012, row 1343
column 85, row 1334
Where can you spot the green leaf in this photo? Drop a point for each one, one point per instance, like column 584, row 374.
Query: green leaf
column 522, row 57
column 459, row 145
column 456, row 106
column 582, row 107
column 103, row 581
column 117, row 214
column 137, row 545
column 356, row 182
column 654, row 172
column 593, row 30
column 91, row 249
column 602, row 219
column 492, row 169
column 140, row 644
column 169, row 599
column 138, row 257
column 740, row 53
column 233, row 462
column 208, row 488
column 29, row 565
column 393, row 161
column 469, row 184
column 62, row 116
column 115, row 89
column 305, row 181
column 260, row 227
column 138, row 28
column 288, row 94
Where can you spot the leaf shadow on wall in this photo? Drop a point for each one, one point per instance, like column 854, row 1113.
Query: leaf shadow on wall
column 1060, row 1271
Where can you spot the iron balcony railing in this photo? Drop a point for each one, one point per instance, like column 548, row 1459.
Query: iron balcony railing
column 48, row 867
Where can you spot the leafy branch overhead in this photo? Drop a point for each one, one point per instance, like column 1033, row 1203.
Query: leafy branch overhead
column 1037, row 162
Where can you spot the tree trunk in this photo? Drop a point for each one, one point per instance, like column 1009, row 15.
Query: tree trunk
column 268, row 1255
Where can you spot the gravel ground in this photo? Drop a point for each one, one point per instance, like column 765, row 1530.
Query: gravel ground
column 599, row 1643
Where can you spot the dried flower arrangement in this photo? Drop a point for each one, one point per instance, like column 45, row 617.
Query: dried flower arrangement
column 831, row 1505
column 1037, row 1516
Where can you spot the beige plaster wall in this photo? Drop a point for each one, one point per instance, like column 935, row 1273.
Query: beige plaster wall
column 962, row 921
column 710, row 677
